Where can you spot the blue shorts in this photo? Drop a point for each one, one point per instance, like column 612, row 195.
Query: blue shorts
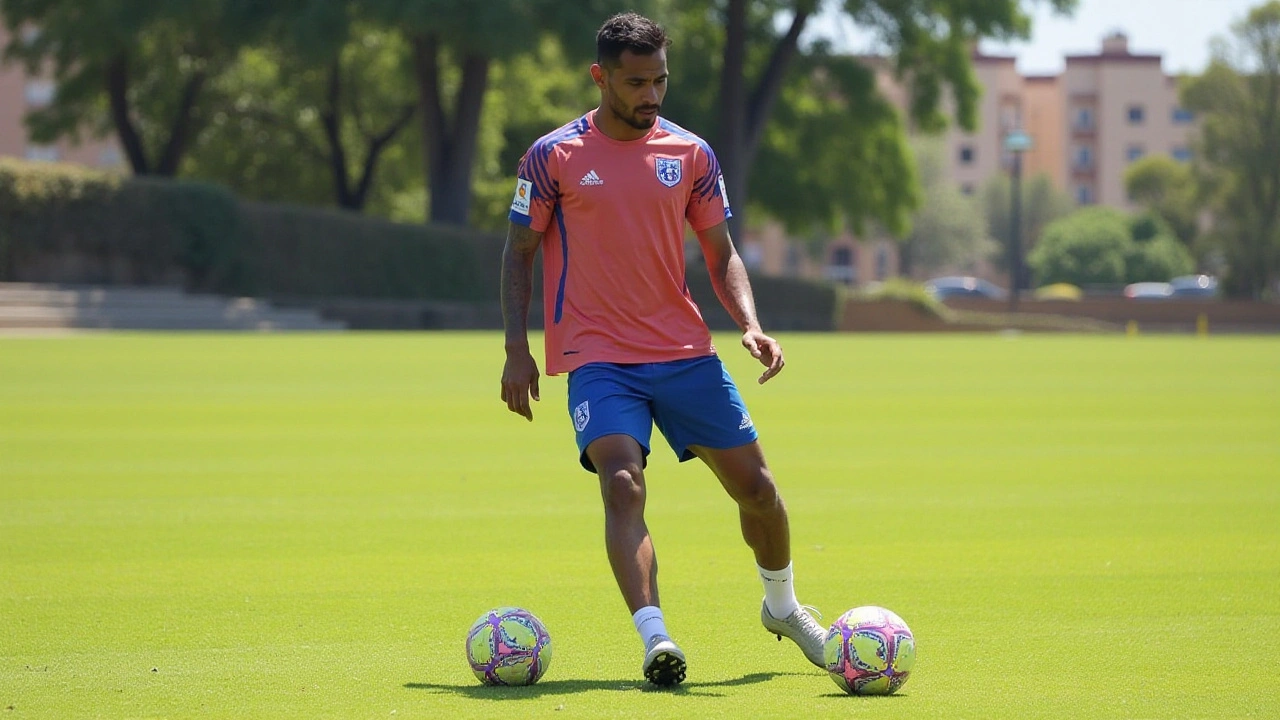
column 693, row 402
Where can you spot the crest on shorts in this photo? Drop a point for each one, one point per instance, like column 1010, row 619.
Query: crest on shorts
column 669, row 171
column 581, row 416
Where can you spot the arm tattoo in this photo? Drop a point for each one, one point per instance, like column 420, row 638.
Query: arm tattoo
column 517, row 282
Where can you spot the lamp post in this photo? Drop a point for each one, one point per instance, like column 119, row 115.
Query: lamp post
column 1016, row 142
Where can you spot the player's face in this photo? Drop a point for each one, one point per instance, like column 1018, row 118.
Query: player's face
column 634, row 90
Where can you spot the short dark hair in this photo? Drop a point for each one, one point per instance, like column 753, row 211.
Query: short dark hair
column 628, row 31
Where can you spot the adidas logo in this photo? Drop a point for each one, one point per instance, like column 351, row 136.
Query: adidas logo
column 591, row 178
column 746, row 422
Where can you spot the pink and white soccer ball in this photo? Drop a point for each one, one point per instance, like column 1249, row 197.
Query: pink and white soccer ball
column 508, row 646
column 869, row 651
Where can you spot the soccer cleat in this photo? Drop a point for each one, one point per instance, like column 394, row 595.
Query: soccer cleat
column 663, row 662
column 801, row 628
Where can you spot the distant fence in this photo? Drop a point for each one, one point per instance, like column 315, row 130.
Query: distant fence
column 1168, row 315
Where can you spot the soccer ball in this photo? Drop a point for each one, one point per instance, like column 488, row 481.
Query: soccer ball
column 869, row 651
column 508, row 646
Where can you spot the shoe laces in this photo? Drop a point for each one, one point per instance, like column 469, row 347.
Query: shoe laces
column 806, row 618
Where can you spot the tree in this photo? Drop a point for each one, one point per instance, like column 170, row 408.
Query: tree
column 930, row 42
column 132, row 67
column 1085, row 248
column 948, row 231
column 453, row 46
column 1238, row 99
column 309, row 119
column 1167, row 188
column 1103, row 246
column 1042, row 203
column 1156, row 254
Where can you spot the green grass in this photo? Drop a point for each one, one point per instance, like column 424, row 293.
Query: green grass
column 306, row 526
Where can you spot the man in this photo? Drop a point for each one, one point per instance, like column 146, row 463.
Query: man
column 610, row 192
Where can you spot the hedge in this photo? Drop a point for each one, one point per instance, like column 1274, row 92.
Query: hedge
column 61, row 223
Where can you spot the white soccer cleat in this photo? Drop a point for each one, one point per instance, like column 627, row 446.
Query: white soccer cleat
column 663, row 662
column 801, row 628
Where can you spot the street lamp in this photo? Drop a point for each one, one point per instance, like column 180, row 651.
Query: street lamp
column 1016, row 142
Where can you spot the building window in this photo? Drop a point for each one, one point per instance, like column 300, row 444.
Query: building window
column 1183, row 116
column 1084, row 194
column 966, row 154
column 843, row 267
column 43, row 153
column 1135, row 153
column 1137, row 114
column 39, row 93
column 1083, row 119
column 1182, row 154
column 1083, row 158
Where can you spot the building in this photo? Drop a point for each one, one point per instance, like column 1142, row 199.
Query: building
column 20, row 93
column 1087, row 125
column 1103, row 113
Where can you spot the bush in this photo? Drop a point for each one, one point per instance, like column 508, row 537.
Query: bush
column 308, row 252
column 61, row 223
column 1085, row 248
column 1159, row 259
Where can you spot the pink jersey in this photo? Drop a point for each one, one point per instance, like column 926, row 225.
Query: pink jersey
column 613, row 213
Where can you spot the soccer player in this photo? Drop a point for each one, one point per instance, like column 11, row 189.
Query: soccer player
column 610, row 194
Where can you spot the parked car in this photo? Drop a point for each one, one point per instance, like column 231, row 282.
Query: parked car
column 1149, row 291
column 1194, row 286
column 1059, row 291
column 942, row 288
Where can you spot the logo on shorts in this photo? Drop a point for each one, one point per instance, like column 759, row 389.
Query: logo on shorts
column 746, row 422
column 581, row 416
column 668, row 171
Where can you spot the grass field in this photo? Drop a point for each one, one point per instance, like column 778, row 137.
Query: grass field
column 305, row 526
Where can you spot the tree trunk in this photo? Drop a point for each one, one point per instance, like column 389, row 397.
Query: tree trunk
column 118, row 94
column 742, row 119
column 180, row 129
column 449, row 142
column 127, row 131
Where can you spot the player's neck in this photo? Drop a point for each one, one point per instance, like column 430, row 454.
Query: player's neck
column 614, row 128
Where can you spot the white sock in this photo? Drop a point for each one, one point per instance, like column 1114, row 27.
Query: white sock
column 779, row 591
column 649, row 623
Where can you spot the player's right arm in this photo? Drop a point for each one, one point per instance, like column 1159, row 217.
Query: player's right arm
column 520, row 374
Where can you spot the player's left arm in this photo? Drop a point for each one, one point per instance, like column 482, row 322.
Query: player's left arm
column 733, row 288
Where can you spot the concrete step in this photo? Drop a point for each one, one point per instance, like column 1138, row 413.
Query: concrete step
column 30, row 306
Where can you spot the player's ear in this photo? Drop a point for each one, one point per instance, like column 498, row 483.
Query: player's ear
column 598, row 75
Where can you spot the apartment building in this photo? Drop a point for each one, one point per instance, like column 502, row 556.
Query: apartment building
column 20, row 93
column 1104, row 112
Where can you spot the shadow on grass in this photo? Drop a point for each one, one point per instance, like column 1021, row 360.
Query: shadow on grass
column 569, row 687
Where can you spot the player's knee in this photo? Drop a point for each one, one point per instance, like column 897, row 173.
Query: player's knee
column 760, row 495
column 622, row 488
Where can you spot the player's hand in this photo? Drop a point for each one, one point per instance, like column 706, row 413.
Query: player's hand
column 766, row 350
column 519, row 382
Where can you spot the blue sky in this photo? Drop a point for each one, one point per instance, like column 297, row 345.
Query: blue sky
column 1178, row 29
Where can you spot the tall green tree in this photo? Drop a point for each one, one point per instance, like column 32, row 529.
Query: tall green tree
column 1238, row 98
column 930, row 42
column 1167, row 188
column 949, row 230
column 453, row 46
column 311, row 111
column 135, row 68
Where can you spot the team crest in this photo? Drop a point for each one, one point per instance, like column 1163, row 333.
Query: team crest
column 669, row 171
column 581, row 416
